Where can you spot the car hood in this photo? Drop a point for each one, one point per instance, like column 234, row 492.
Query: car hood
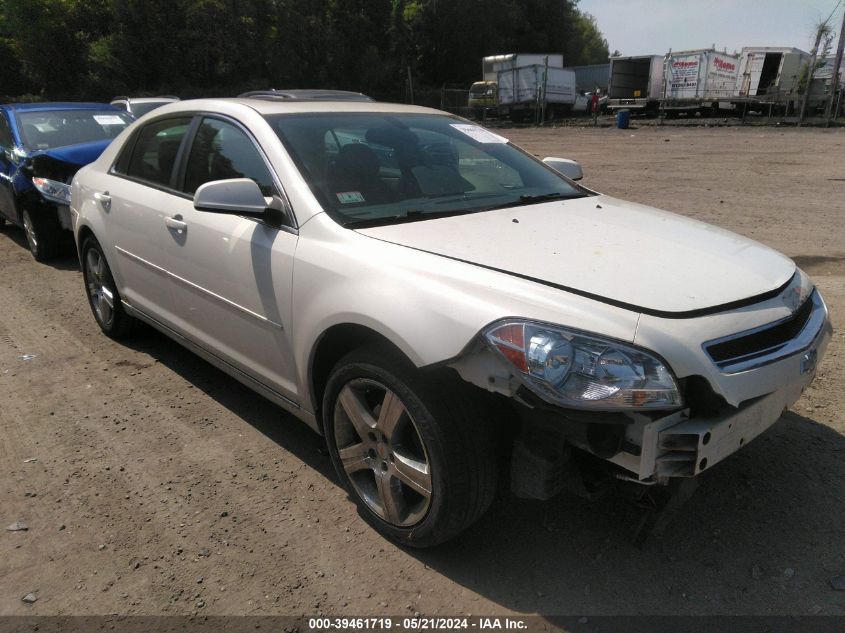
column 62, row 163
column 622, row 253
column 78, row 155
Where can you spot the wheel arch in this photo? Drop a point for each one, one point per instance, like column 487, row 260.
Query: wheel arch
column 333, row 344
column 82, row 234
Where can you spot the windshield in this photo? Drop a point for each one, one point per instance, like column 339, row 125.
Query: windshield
column 479, row 90
column 58, row 128
column 140, row 109
column 370, row 169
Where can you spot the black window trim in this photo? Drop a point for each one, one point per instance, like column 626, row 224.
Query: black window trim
column 129, row 149
column 177, row 177
column 287, row 210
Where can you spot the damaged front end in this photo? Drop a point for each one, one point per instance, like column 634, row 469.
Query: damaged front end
column 51, row 178
column 592, row 410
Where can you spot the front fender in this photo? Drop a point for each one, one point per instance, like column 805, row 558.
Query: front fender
column 429, row 307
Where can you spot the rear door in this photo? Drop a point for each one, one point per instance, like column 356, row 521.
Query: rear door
column 138, row 197
column 232, row 275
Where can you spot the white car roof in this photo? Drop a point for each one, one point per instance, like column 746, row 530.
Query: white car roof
column 268, row 106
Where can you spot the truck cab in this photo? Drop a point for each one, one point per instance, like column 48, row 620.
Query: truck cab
column 483, row 95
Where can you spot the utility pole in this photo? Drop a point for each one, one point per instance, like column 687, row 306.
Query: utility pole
column 834, row 80
column 808, row 84
column 410, row 84
column 545, row 87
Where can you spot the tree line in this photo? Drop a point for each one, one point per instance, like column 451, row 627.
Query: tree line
column 94, row 49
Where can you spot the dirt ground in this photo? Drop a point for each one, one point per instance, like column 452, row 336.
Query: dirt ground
column 152, row 483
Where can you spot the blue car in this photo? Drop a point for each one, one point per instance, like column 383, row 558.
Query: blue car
column 42, row 146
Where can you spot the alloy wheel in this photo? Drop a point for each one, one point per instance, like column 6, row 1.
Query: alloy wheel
column 99, row 284
column 382, row 453
column 29, row 229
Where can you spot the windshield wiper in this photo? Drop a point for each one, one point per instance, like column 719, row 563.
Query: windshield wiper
column 536, row 199
column 541, row 197
column 414, row 215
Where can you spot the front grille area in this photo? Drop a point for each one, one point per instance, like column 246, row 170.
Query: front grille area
column 764, row 341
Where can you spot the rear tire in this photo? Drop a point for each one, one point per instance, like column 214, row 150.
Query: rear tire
column 43, row 233
column 415, row 452
column 103, row 297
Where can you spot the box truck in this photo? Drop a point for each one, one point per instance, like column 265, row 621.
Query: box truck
column 484, row 94
column 698, row 80
column 527, row 91
column 492, row 65
column 635, row 83
column 770, row 75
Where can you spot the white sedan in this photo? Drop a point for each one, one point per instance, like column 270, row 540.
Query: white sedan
column 439, row 304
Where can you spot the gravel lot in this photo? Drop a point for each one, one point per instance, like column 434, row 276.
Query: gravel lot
column 151, row 483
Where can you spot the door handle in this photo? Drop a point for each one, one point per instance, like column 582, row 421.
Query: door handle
column 176, row 224
column 104, row 199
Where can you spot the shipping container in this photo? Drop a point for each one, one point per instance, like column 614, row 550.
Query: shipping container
column 698, row 80
column 635, row 83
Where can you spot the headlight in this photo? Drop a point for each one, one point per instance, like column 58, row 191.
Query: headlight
column 584, row 371
column 53, row 190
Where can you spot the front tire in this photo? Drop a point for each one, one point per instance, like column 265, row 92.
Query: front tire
column 413, row 451
column 43, row 233
column 102, row 293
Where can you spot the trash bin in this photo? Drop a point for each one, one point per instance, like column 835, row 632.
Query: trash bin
column 623, row 117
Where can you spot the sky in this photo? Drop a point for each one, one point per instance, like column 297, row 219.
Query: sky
column 643, row 27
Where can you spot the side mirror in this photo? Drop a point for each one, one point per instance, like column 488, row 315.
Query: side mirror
column 569, row 168
column 237, row 196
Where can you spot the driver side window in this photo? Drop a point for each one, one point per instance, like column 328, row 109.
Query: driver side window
column 221, row 151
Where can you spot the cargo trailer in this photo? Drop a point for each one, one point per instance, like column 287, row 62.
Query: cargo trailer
column 636, row 83
column 484, row 95
column 822, row 83
column 701, row 80
column 524, row 92
column 770, row 76
column 589, row 78
column 491, row 66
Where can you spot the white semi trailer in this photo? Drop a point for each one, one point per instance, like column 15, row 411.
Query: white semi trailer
column 635, row 83
column 701, row 80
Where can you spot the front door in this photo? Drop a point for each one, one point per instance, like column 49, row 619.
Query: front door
column 232, row 275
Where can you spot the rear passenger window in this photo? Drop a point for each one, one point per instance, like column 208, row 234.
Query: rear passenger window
column 221, row 151
column 154, row 154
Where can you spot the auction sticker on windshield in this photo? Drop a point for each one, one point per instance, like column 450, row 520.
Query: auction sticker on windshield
column 478, row 133
column 350, row 197
column 109, row 119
